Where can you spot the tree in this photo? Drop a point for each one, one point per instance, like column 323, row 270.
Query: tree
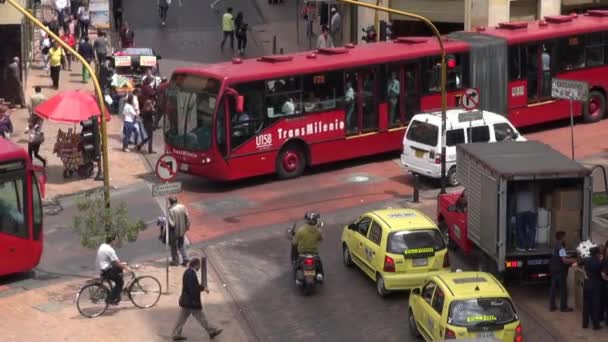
column 90, row 225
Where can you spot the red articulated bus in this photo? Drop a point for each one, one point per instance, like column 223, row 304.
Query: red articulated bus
column 284, row 113
column 21, row 234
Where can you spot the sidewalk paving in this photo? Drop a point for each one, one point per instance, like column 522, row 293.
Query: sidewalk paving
column 50, row 313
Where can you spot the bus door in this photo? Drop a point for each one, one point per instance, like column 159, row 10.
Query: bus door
column 402, row 94
column 15, row 253
column 362, row 114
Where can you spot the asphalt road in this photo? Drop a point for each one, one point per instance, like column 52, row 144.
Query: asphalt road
column 255, row 266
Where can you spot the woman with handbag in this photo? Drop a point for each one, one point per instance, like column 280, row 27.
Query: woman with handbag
column 35, row 139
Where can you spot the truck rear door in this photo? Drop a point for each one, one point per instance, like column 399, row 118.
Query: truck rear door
column 488, row 216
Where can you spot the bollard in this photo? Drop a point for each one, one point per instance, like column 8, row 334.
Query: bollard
column 274, row 45
column 416, row 194
column 204, row 272
column 281, row 51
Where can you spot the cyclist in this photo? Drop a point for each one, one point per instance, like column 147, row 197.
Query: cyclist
column 110, row 267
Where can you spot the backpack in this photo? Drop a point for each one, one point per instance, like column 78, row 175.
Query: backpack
column 242, row 30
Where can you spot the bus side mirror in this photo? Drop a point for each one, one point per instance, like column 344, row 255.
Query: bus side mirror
column 240, row 103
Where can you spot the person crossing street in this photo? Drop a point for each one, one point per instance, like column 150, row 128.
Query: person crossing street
column 179, row 223
column 163, row 8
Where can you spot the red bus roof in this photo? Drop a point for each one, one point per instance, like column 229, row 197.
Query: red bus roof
column 400, row 50
column 551, row 27
column 10, row 150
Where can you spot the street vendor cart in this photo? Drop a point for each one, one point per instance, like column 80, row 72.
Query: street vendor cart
column 69, row 149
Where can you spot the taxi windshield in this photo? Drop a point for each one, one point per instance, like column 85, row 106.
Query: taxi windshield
column 400, row 242
column 481, row 312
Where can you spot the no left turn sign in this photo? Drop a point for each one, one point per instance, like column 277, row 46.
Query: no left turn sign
column 470, row 99
column 166, row 167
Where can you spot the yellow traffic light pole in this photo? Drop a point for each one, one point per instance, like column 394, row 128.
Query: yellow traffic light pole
column 98, row 91
column 443, row 68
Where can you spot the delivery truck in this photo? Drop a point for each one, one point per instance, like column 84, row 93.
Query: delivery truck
column 502, row 182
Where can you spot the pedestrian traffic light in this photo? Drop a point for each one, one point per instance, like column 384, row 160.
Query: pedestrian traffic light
column 89, row 138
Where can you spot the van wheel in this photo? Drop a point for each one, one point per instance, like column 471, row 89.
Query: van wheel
column 412, row 325
column 595, row 107
column 348, row 261
column 291, row 162
column 452, row 177
column 380, row 287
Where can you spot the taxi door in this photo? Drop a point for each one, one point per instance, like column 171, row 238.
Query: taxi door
column 358, row 244
column 436, row 315
column 423, row 314
column 371, row 248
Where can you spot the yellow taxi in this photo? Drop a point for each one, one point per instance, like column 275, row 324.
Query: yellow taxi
column 398, row 248
column 464, row 306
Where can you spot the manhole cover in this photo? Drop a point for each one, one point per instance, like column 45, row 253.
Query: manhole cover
column 359, row 179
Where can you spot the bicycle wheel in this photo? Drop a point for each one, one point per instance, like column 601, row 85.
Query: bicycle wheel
column 92, row 300
column 144, row 292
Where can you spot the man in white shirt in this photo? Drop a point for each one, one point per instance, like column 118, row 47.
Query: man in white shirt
column 110, row 267
column 288, row 107
column 324, row 40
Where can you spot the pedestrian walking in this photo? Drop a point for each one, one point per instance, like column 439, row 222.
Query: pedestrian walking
column 127, row 36
column 558, row 265
column 6, row 125
column 14, row 79
column 592, row 289
column 35, row 139
column 190, row 303
column 335, row 26
column 309, row 14
column 163, row 8
column 324, row 40
column 54, row 25
column 604, row 311
column 60, row 7
column 36, row 99
column 100, row 46
column 56, row 57
column 117, row 7
column 71, row 41
column 72, row 26
column 241, row 28
column 84, row 20
column 147, row 116
column 228, row 28
column 86, row 51
column 129, row 117
column 179, row 224
column 74, row 4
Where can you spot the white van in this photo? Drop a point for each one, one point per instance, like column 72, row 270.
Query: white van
column 422, row 140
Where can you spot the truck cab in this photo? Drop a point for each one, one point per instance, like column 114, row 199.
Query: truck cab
column 452, row 219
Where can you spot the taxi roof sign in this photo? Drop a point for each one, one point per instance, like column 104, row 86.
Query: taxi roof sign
column 401, row 215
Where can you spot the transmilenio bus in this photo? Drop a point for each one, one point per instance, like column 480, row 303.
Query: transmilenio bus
column 283, row 113
column 21, row 233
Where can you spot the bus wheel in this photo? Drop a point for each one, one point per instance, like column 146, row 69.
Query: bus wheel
column 291, row 162
column 595, row 108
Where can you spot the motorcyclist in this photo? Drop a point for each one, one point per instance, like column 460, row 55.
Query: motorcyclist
column 307, row 238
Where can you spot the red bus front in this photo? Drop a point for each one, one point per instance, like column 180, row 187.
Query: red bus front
column 21, row 235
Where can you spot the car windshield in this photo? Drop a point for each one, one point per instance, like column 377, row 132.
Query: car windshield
column 400, row 242
column 423, row 133
column 191, row 102
column 481, row 312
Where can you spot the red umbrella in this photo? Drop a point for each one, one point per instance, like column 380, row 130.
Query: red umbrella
column 70, row 106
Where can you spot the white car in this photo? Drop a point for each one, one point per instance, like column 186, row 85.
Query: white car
column 422, row 140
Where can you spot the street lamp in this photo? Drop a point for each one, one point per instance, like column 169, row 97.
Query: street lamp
column 99, row 93
column 443, row 70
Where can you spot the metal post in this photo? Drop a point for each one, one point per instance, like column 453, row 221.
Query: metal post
column 416, row 193
column 99, row 93
column 571, row 128
column 274, row 45
column 281, row 51
column 444, row 96
column 298, row 21
column 167, row 247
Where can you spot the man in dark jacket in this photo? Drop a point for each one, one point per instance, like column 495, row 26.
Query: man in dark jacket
column 190, row 303
column 85, row 49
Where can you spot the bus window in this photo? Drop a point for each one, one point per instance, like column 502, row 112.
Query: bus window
column 393, row 95
column 37, row 205
column 455, row 73
column 191, row 103
column 412, row 91
column 572, row 53
column 350, row 101
column 369, row 103
column 322, row 91
column 12, row 219
column 253, row 119
column 220, row 127
column 531, row 67
column 594, row 50
column 283, row 97
column 515, row 64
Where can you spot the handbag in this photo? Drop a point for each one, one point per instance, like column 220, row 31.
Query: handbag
column 35, row 137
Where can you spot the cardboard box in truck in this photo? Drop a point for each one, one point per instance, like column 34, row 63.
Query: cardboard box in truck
column 570, row 222
column 566, row 199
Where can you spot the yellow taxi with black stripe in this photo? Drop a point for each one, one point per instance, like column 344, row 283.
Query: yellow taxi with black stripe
column 398, row 248
column 465, row 306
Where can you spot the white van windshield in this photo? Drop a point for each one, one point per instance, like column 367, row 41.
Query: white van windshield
column 423, row 133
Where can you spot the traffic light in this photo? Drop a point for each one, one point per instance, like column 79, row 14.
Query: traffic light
column 89, row 138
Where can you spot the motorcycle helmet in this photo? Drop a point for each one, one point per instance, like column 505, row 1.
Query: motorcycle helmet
column 312, row 218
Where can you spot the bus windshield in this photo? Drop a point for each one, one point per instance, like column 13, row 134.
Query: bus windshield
column 12, row 202
column 191, row 102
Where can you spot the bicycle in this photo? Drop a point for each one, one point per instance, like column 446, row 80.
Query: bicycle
column 92, row 299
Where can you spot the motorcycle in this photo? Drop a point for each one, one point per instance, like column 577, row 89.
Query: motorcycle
column 306, row 267
column 370, row 34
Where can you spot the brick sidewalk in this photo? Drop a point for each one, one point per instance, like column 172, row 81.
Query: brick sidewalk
column 125, row 168
column 50, row 314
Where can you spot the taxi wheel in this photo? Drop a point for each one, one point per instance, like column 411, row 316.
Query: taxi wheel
column 412, row 325
column 380, row 287
column 348, row 262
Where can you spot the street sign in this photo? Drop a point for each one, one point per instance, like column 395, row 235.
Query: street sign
column 166, row 189
column 470, row 99
column 166, row 167
column 569, row 90
column 470, row 116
